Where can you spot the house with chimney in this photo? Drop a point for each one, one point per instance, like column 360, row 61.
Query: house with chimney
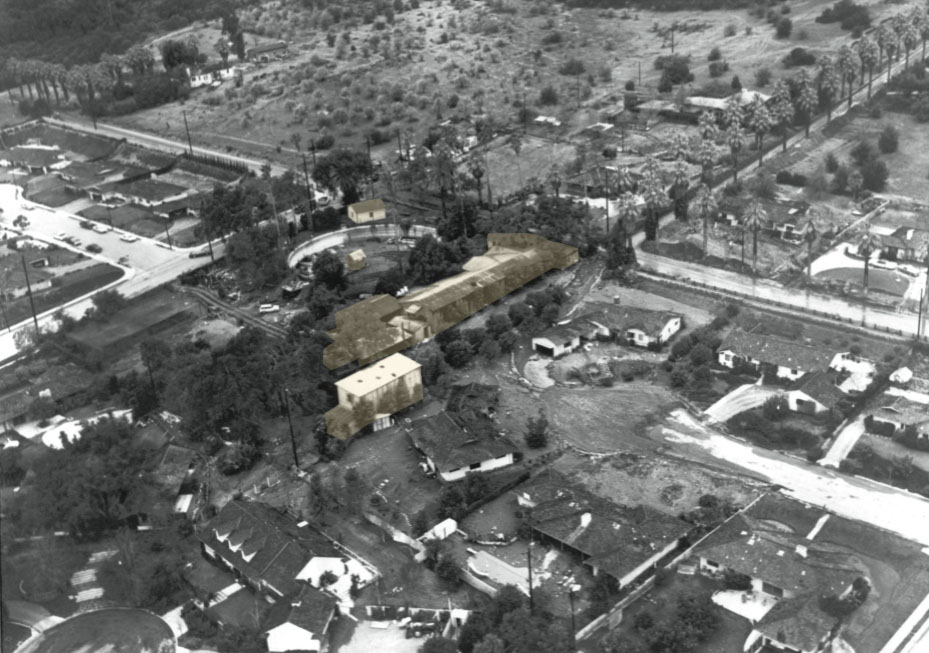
column 625, row 542
column 300, row 622
column 811, row 580
column 276, row 556
column 787, row 359
column 454, row 447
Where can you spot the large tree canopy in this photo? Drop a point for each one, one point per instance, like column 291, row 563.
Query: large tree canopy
column 344, row 170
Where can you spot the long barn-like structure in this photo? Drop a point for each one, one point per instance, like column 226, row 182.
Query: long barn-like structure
column 382, row 325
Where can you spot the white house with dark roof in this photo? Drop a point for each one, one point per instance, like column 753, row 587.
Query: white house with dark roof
column 453, row 450
column 815, row 394
column 790, row 360
column 638, row 326
column 300, row 622
column 561, row 339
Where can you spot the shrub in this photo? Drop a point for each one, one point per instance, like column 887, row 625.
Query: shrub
column 832, row 163
column 876, row 113
column 552, row 38
column 790, row 178
column 799, row 57
column 630, row 86
column 675, row 67
column 762, row 77
column 548, row 96
column 715, row 55
column 874, row 175
column 850, row 16
column 572, row 67
column 729, row 30
column 921, row 109
column 717, row 68
column 775, row 408
column 784, row 28
column 888, row 140
column 736, row 83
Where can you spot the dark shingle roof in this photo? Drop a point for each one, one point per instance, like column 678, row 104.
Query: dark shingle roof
column 621, row 318
column 451, row 447
column 776, row 351
column 617, row 538
column 309, row 608
column 281, row 548
column 798, row 622
column 821, row 387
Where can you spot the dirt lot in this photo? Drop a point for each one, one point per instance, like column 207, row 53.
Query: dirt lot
column 484, row 64
column 661, row 483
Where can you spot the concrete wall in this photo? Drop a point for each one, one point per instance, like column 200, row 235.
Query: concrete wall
column 352, row 234
column 486, row 466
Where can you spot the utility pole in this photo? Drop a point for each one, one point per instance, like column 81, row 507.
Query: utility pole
column 190, row 145
column 168, row 234
column 640, row 72
column 6, row 320
column 529, row 560
column 371, row 164
column 310, row 200
column 293, row 440
column 571, row 598
column 313, row 150
column 35, row 318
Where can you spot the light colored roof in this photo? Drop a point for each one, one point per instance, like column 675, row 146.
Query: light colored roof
column 367, row 206
column 378, row 374
column 706, row 102
column 357, row 255
column 747, row 97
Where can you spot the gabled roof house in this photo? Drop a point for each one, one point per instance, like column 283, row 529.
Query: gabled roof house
column 790, row 359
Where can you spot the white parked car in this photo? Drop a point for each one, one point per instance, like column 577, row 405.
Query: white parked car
column 909, row 269
column 128, row 238
column 102, row 228
column 61, row 235
column 27, row 207
column 883, row 265
column 269, row 308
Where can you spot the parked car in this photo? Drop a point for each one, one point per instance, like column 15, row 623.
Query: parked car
column 911, row 270
column 102, row 228
column 269, row 308
column 128, row 238
column 95, row 248
column 61, row 236
column 87, row 224
column 27, row 207
column 883, row 265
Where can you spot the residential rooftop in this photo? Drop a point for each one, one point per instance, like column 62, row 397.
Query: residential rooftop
column 451, row 445
column 378, row 374
column 776, row 351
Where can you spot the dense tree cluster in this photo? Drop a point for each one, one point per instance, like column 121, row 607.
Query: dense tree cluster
column 505, row 624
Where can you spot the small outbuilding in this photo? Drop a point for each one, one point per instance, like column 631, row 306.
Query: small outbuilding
column 367, row 211
column 355, row 260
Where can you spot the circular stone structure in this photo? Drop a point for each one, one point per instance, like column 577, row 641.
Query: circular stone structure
column 113, row 630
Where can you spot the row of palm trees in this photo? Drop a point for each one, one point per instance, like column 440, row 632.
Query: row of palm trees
column 44, row 80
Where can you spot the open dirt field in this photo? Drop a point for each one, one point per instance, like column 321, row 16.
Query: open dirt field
column 435, row 63
column 661, row 483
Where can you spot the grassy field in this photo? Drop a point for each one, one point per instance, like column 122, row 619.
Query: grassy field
column 436, row 63
column 886, row 281
column 115, row 630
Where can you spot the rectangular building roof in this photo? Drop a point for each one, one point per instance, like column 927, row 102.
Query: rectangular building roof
column 378, row 374
column 367, row 206
column 451, row 447
column 776, row 351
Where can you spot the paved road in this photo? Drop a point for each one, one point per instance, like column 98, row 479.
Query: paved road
column 844, row 442
column 766, row 290
column 848, row 496
column 151, row 264
column 158, row 143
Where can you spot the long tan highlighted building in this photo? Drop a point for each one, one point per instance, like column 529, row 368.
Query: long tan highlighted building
column 382, row 325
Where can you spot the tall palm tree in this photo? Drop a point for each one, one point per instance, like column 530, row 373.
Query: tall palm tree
column 477, row 171
column 806, row 97
column 754, row 219
column 828, row 84
column 782, row 109
column 680, row 178
column 867, row 245
column 898, row 27
column 624, row 179
column 554, row 179
column 443, row 170
column 680, row 147
column 868, row 54
column 655, row 197
column 736, row 141
column 848, row 69
column 884, row 41
column 760, row 122
column 733, row 113
column 909, row 39
column 924, row 30
column 706, row 208
column 515, row 142
column 707, row 155
column 707, row 127
column 627, row 215
column 810, row 238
